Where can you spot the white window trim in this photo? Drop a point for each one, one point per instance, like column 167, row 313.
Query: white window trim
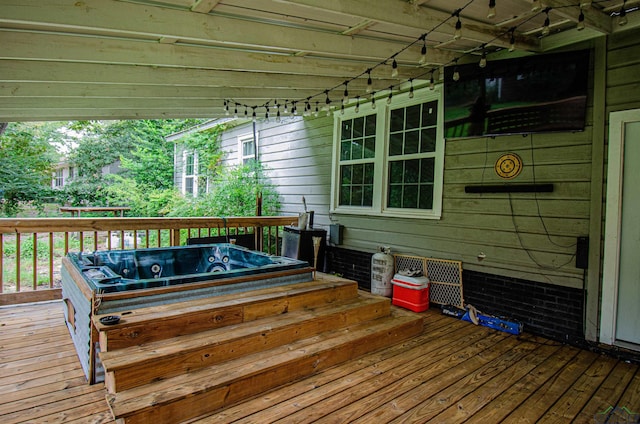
column 243, row 139
column 186, row 153
column 381, row 161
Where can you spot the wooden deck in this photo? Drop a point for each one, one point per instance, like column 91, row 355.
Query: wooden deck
column 453, row 372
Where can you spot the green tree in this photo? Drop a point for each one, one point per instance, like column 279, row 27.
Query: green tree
column 27, row 155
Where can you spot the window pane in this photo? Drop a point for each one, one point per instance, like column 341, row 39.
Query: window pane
column 356, row 196
column 427, row 170
column 370, row 125
column 395, row 144
column 369, row 147
column 358, row 171
column 413, row 117
column 345, row 195
column 396, row 172
column 356, row 145
column 345, row 150
column 358, row 127
column 367, row 195
column 410, row 196
column 428, row 143
column 395, row 196
column 426, row 197
column 397, row 120
column 411, row 142
column 430, row 114
column 346, row 130
column 368, row 173
column 412, row 171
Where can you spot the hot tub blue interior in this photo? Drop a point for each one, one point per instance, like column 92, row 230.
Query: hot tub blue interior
column 121, row 270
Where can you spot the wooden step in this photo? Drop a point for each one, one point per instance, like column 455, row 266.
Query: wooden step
column 138, row 365
column 194, row 394
column 150, row 324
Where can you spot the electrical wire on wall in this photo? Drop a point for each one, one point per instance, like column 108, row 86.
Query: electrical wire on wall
column 539, row 214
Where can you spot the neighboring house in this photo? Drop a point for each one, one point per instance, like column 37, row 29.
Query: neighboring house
column 189, row 177
column 536, row 257
column 65, row 172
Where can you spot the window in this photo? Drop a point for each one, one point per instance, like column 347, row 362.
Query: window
column 389, row 160
column 247, row 149
column 59, row 178
column 189, row 173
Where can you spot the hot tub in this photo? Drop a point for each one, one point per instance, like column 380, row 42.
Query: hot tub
column 116, row 281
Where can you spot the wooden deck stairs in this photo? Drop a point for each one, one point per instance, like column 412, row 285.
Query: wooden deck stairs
column 173, row 363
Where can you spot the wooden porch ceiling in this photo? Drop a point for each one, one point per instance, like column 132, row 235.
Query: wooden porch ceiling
column 453, row 372
column 132, row 59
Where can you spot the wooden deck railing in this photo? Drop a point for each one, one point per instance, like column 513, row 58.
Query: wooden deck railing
column 31, row 249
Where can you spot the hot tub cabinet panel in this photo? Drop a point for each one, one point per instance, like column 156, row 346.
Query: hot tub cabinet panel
column 117, row 281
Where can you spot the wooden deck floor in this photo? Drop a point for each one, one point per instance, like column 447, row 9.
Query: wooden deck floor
column 454, row 372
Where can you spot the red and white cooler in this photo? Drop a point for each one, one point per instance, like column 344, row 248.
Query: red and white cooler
column 411, row 292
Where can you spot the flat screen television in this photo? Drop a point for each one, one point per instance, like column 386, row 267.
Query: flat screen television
column 542, row 93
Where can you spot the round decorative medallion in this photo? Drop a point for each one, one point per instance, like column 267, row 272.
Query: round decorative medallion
column 508, row 166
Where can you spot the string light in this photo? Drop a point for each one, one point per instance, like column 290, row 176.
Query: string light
column 253, row 115
column 266, row 115
column 492, row 9
column 411, row 88
column 423, row 52
column 458, row 31
column 246, row 114
column 341, row 109
column 357, row 108
column 580, row 25
column 373, row 100
column 226, row 108
column 286, row 108
column 317, row 111
column 278, row 117
column 483, row 59
column 547, row 22
column 235, row 111
column 294, row 109
column 456, row 73
column 622, row 16
column 327, row 101
column 394, row 68
column 390, row 95
column 369, row 82
column 345, row 98
column 432, row 82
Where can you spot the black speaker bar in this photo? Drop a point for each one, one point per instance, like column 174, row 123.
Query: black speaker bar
column 509, row 188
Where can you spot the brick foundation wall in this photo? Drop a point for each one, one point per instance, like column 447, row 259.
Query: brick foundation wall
column 551, row 311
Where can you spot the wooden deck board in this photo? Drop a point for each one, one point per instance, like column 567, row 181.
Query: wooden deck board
column 452, row 372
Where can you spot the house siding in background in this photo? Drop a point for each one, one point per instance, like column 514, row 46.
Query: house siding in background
column 518, row 249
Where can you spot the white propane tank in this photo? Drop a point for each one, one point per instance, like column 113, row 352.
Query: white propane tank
column 382, row 272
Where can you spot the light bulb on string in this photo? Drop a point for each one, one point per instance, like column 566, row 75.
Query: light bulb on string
column 580, row 24
column 246, row 113
column 411, row 88
column 458, row 29
column 278, row 117
column 327, row 102
column 535, row 5
column 235, row 111
column 345, row 96
column 341, row 109
column 394, row 68
column 286, row 108
column 483, row 59
column 226, row 108
column 317, row 111
column 547, row 23
column 423, row 51
column 492, row 9
column 253, row 115
column 622, row 16
column 266, row 115
column 373, row 100
column 357, row 108
column 456, row 73
column 432, row 82
column 294, row 109
column 369, row 82
column 390, row 96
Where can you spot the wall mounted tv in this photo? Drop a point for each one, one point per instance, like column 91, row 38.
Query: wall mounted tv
column 541, row 93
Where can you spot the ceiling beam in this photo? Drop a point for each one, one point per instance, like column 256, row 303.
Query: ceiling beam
column 403, row 13
column 36, row 46
column 121, row 19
